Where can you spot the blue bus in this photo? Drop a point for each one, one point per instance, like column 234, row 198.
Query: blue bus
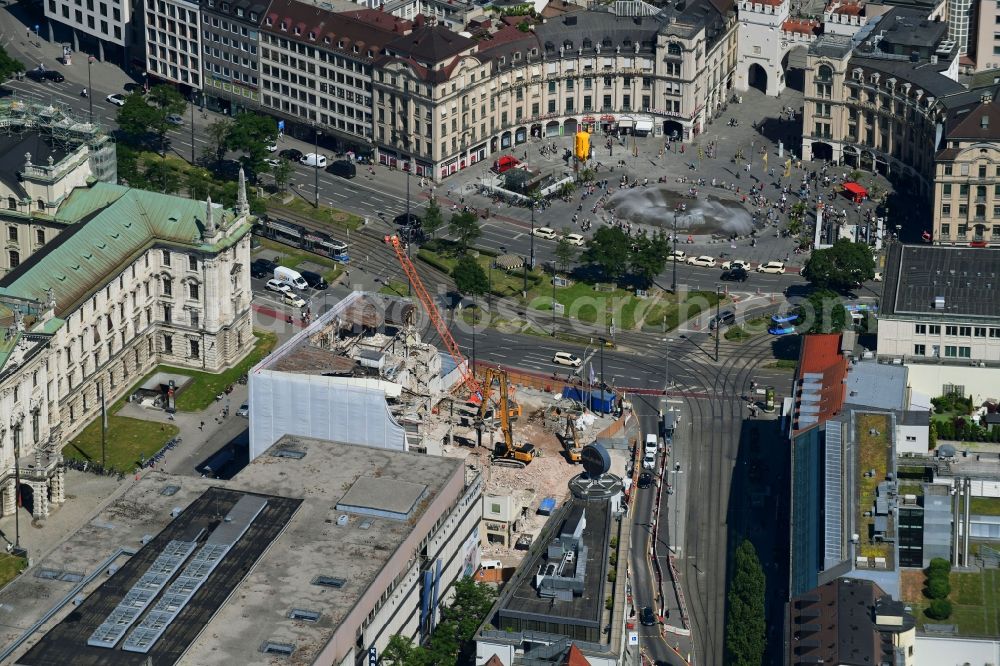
column 783, row 324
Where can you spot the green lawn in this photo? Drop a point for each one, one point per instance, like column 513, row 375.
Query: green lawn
column 127, row 440
column 976, row 604
column 985, row 506
column 393, row 288
column 201, row 393
column 10, row 567
column 873, row 455
column 292, row 258
column 783, row 364
column 325, row 214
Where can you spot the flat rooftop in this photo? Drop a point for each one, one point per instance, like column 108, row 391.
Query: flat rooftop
column 302, row 552
column 966, row 278
column 876, row 386
column 585, row 609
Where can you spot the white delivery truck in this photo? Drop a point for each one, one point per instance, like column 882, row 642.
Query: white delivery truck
column 290, row 277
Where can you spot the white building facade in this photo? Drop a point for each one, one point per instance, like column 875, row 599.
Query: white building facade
column 173, row 42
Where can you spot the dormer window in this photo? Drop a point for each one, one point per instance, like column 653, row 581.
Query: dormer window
column 588, row 44
column 340, row 43
column 371, row 54
column 225, row 6
column 268, row 21
column 284, row 26
column 296, row 30
column 355, row 48
column 312, row 36
column 503, row 60
column 533, row 52
column 517, row 55
column 568, row 44
column 326, row 40
column 239, row 12
column 253, row 16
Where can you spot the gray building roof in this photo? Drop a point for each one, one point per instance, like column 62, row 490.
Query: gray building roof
column 876, row 386
column 14, row 147
column 941, row 282
column 925, row 75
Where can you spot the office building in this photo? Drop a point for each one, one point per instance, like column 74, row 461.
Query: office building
column 230, row 41
column 316, row 552
column 103, row 28
column 173, row 43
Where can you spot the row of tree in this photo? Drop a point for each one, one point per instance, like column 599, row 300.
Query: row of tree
column 451, row 639
column 745, row 624
column 937, row 587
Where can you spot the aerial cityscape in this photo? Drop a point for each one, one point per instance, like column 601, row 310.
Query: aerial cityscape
column 500, row 332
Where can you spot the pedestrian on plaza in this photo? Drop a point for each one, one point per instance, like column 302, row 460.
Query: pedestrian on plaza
column 201, row 426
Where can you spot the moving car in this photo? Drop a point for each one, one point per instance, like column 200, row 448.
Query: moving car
column 772, row 267
column 273, row 163
column 291, row 154
column 565, row 358
column 42, row 75
column 278, row 286
column 314, row 280
column 651, row 445
column 116, row 99
column 645, row 480
column 734, row 263
column 175, row 119
column 407, row 220
column 293, row 299
column 649, row 461
column 724, row 318
column 313, row 160
column 704, row 260
column 260, row 268
column 343, row 168
column 272, row 145
column 544, row 232
column 783, row 324
column 677, row 255
column 646, row 617
column 244, row 410
column 878, row 277
column 575, row 239
column 737, row 274
column 134, row 87
column 290, row 276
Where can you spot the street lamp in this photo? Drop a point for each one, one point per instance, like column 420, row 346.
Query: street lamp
column 17, row 487
column 316, row 133
column 553, row 303
column 90, row 89
column 603, row 342
column 718, row 320
column 676, row 471
column 531, row 260
column 673, row 281
column 192, row 126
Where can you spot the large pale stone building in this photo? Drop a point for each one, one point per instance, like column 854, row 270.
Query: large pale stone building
column 135, row 279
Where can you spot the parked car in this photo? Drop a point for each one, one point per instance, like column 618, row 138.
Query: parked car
column 575, row 239
column 116, row 99
column 565, row 358
column 273, row 163
column 651, row 444
column 278, row 286
column 313, row 160
column 737, row 274
column 261, row 268
column 290, row 276
column 878, row 277
column 649, row 461
column 544, row 232
column 703, row 260
column 291, row 154
column 724, row 318
column 272, row 145
column 343, row 168
column 646, row 617
column 314, row 280
column 244, row 410
column 772, row 267
column 735, row 263
column 175, row 119
column 293, row 299
column 645, row 480
column 133, row 87
column 42, row 75
column 677, row 255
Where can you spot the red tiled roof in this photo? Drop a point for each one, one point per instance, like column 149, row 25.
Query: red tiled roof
column 493, row 661
column 575, row 658
column 850, row 8
column 801, row 26
column 821, row 356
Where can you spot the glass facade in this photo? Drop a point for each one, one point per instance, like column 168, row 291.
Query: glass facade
column 807, row 510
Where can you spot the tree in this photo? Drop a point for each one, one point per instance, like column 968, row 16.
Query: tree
column 939, row 609
column 841, row 266
column 649, row 258
column 136, row 118
column 939, row 565
column 822, row 312
column 197, row 183
column 938, row 587
column 465, row 227
column 218, row 137
column 470, row 278
column 745, row 627
column 433, row 220
column 401, row 651
column 162, row 176
column 250, row 134
column 282, row 174
column 166, row 99
column 565, row 254
column 469, row 607
column 608, row 250
column 9, row 66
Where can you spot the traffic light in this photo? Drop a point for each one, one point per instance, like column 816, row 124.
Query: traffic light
column 582, row 146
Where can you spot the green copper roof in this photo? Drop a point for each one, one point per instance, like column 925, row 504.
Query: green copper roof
column 110, row 226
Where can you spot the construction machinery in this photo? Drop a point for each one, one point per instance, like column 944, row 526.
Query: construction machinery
column 505, row 452
column 570, row 441
column 468, row 376
column 500, row 377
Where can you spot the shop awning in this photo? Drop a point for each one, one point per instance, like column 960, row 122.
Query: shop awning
column 644, row 125
column 856, row 189
column 607, row 119
column 590, row 120
column 625, row 122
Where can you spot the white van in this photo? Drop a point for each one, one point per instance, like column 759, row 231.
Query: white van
column 651, row 445
column 490, row 564
column 290, row 277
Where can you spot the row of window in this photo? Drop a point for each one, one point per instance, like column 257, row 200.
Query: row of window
column 167, row 288
column 950, row 351
column 175, row 12
column 194, row 346
column 233, row 74
column 239, row 11
column 964, row 169
column 13, row 231
column 956, row 330
column 963, row 230
column 240, row 44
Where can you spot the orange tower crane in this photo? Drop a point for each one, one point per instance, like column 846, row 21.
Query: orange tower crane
column 468, row 377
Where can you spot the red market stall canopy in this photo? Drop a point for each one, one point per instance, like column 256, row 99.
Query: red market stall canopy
column 855, row 190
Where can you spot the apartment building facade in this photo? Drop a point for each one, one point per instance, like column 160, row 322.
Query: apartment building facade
column 177, row 292
column 173, row 42
column 230, row 41
column 102, row 24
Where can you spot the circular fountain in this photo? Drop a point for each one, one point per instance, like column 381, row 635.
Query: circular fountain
column 655, row 206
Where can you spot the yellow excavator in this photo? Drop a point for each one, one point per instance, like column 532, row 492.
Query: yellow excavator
column 500, row 377
column 570, row 442
column 505, row 452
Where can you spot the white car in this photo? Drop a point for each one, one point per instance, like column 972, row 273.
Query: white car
column 544, row 232
column 175, row 119
column 575, row 239
column 704, row 260
column 116, row 99
column 651, row 444
column 292, row 299
column 565, row 358
column 677, row 255
column 273, row 163
column 278, row 286
column 272, row 145
column 878, row 277
column 313, row 160
column 733, row 263
column 649, row 461
column 773, row 267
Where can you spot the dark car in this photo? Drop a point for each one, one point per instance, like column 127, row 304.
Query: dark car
column 41, row 75
column 645, row 480
column 646, row 617
column 134, row 87
column 724, row 318
column 342, row 168
column 314, row 280
column 291, row 154
column 407, row 220
column 262, row 268
column 737, row 274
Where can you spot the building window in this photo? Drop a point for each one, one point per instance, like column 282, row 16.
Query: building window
column 920, row 329
column 195, row 348
column 951, row 330
column 168, row 287
column 965, row 331
column 194, row 319
column 166, row 257
column 965, row 352
column 950, row 351
column 193, row 290
column 12, row 233
column 934, row 329
column 39, row 237
column 14, row 257
column 193, row 263
column 980, row 331
column 919, row 350
column 168, row 344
